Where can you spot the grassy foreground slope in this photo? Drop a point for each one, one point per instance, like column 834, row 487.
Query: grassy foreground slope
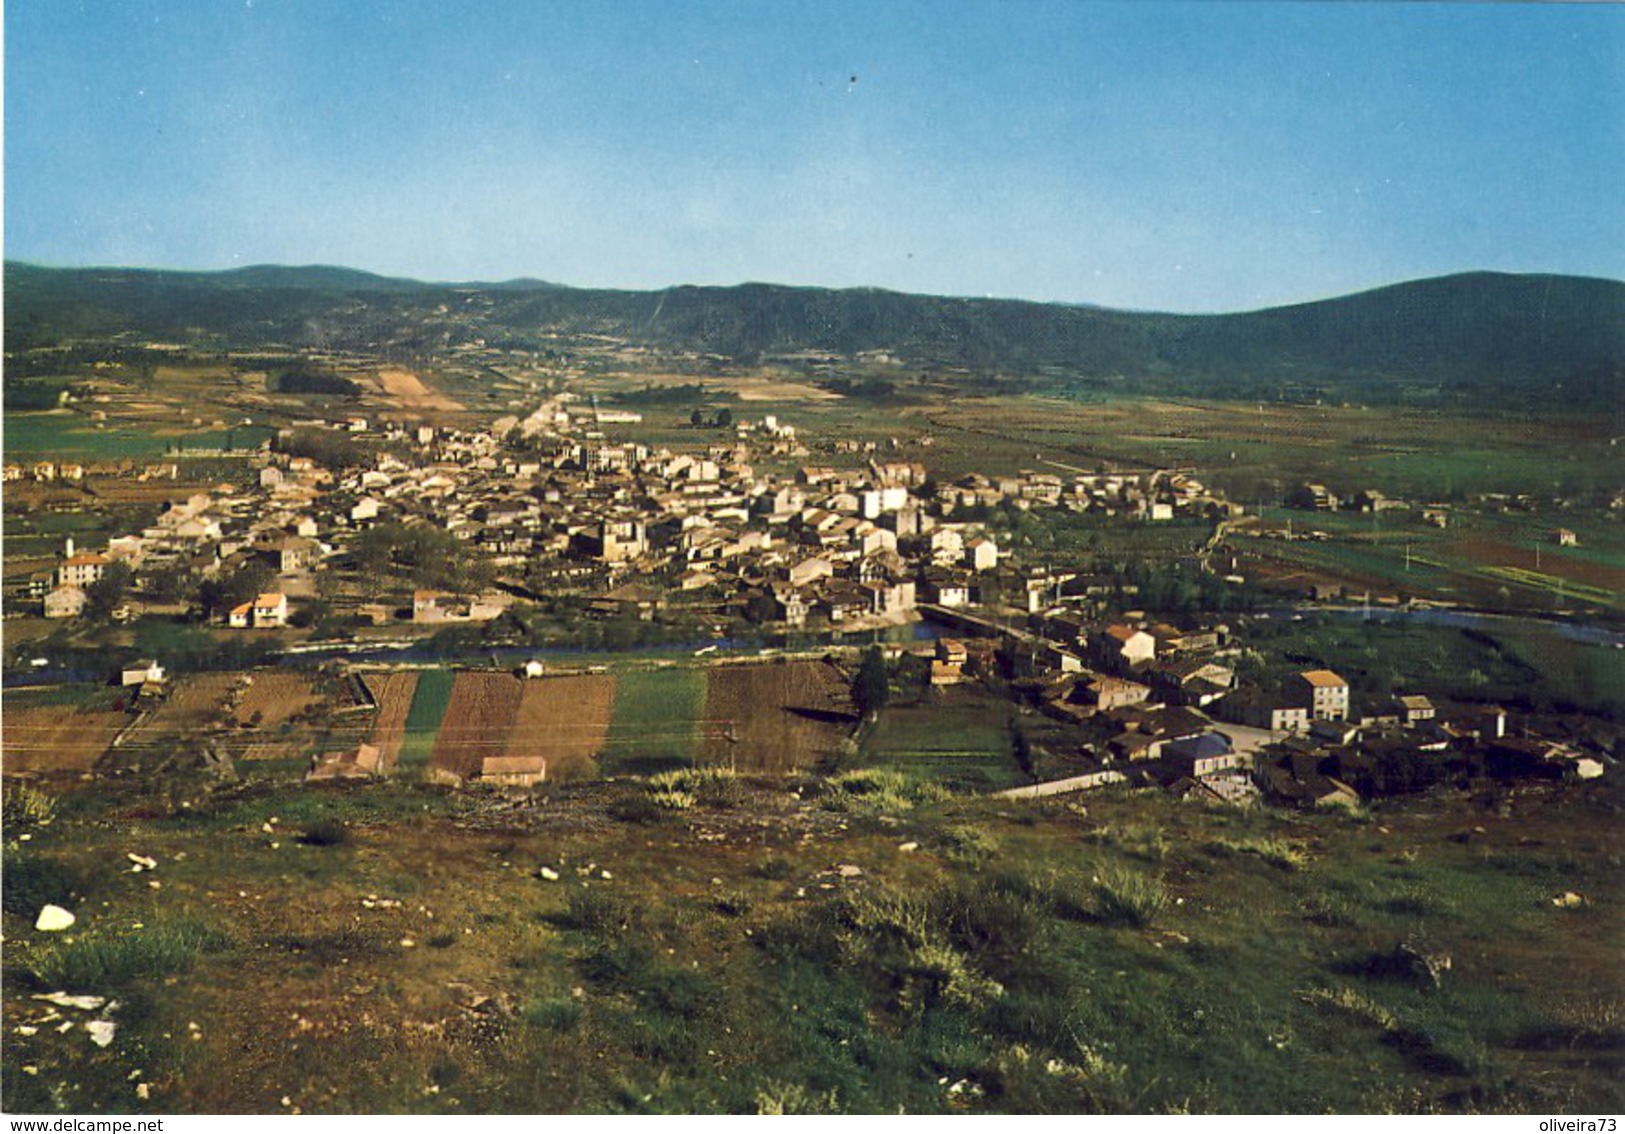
column 787, row 946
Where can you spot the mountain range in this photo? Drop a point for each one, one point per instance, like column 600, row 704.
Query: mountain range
column 1479, row 337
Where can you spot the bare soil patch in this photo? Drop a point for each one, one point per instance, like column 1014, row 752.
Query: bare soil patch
column 564, row 720
column 393, row 692
column 476, row 722
column 277, row 698
column 775, row 718
column 408, row 389
column 57, row 738
column 192, row 703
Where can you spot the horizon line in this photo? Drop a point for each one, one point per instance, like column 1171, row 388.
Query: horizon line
column 539, row 283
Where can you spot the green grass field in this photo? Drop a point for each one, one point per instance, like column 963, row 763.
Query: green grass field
column 429, row 703
column 656, row 719
column 958, row 739
column 66, row 434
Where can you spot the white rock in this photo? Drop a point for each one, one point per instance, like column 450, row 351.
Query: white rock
column 908, row 847
column 549, row 873
column 847, row 870
column 66, row 1000
column 142, row 1091
column 53, row 919
column 101, row 1032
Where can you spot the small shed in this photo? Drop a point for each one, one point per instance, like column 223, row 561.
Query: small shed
column 141, row 672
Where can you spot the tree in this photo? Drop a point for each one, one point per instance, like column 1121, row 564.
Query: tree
column 725, row 417
column 218, row 596
column 697, row 418
column 168, row 584
column 104, row 595
column 1021, row 750
column 871, row 688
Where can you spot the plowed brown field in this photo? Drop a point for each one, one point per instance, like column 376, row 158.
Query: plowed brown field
column 393, row 692
column 476, row 722
column 564, row 720
column 57, row 738
column 775, row 718
column 192, row 703
column 276, row 697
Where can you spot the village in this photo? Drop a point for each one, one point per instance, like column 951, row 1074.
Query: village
column 351, row 534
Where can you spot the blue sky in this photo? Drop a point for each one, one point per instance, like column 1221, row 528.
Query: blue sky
column 1189, row 157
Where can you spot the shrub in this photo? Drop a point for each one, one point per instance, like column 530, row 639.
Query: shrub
column 1127, row 898
column 617, row 963
column 325, row 833
column 681, row 788
column 678, row 991
column 554, row 1013
column 879, row 791
column 27, row 806
column 33, row 881
column 599, row 912
column 1351, row 1003
column 775, row 869
column 672, row 799
column 968, row 844
column 793, row 1098
column 935, row 972
column 734, row 903
column 1277, row 852
column 639, row 809
column 107, row 961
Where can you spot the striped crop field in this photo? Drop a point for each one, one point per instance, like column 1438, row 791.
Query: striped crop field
column 429, row 703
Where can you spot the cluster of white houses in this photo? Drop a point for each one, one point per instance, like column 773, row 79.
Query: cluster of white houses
column 629, row 525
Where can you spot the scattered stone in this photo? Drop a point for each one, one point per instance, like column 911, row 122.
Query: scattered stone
column 906, row 847
column 408, row 943
column 549, row 874
column 847, row 870
column 53, row 919
column 26, row 1030
column 1569, row 900
column 142, row 862
column 65, row 1000
column 101, row 1032
column 143, row 1092
column 606, row 875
